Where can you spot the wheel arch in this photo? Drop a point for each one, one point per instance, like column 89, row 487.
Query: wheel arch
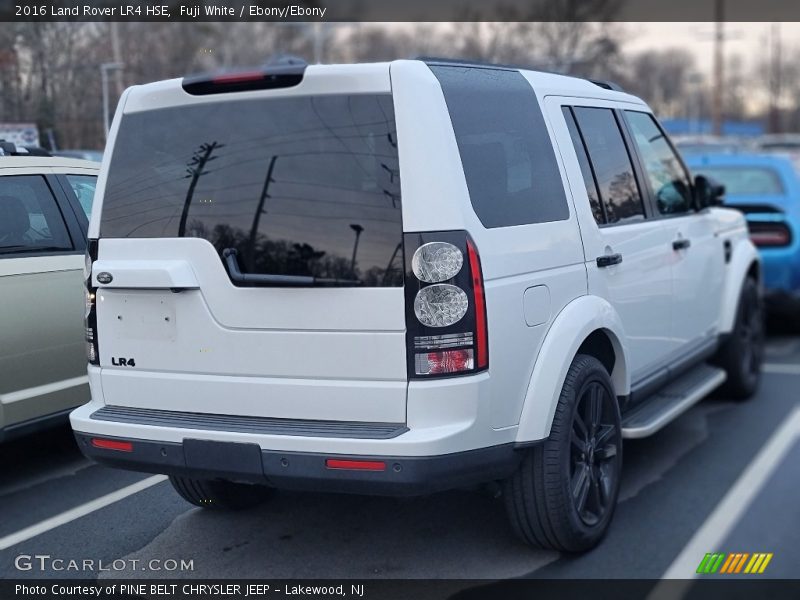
column 590, row 325
column 745, row 262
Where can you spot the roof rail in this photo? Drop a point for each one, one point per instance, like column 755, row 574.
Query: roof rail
column 608, row 85
column 12, row 149
column 459, row 62
column 455, row 62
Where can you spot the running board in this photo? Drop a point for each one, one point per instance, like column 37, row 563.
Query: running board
column 671, row 401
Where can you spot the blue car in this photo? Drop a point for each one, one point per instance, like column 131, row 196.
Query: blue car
column 767, row 189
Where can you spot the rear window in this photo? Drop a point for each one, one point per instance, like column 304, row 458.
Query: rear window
column 505, row 148
column 83, row 187
column 305, row 186
column 744, row 181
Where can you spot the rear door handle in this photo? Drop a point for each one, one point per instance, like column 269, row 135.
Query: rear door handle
column 609, row 259
column 681, row 244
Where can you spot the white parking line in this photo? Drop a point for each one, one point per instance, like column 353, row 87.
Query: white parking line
column 781, row 368
column 730, row 510
column 78, row 512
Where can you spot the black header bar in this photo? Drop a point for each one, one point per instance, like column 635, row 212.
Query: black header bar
column 398, row 10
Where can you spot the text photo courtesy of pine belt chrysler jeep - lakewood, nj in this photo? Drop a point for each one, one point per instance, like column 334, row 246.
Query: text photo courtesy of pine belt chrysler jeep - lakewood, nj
column 405, row 277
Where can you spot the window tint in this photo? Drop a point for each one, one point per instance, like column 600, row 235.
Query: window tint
column 743, row 180
column 29, row 217
column 667, row 176
column 305, row 185
column 586, row 169
column 508, row 158
column 83, row 186
column 612, row 164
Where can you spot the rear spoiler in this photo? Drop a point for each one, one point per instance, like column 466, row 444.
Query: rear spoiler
column 278, row 74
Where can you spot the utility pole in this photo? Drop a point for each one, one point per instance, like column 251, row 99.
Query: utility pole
column 194, row 170
column 116, row 52
column 775, row 76
column 251, row 240
column 317, row 33
column 104, row 69
column 358, row 229
column 719, row 67
column 391, row 261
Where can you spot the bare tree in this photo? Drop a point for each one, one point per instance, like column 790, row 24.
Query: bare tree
column 737, row 89
column 662, row 78
column 50, row 72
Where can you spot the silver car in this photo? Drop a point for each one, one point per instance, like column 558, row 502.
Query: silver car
column 44, row 207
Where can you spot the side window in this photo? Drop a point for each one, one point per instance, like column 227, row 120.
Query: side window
column 508, row 158
column 619, row 191
column 30, row 219
column 83, row 186
column 586, row 168
column 664, row 170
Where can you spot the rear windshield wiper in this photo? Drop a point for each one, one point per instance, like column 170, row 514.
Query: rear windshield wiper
column 20, row 249
column 229, row 254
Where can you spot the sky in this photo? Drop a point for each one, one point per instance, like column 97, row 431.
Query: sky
column 749, row 40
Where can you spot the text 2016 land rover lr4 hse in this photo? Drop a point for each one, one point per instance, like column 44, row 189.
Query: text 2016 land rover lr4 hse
column 404, row 277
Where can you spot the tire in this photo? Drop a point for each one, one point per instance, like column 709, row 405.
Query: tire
column 539, row 497
column 742, row 352
column 218, row 494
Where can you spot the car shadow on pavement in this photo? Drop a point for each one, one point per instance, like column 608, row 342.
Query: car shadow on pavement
column 37, row 456
column 304, row 535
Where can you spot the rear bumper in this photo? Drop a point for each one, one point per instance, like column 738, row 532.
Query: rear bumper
column 401, row 475
column 781, row 270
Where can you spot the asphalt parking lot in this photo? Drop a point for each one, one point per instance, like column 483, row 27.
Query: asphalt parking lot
column 695, row 487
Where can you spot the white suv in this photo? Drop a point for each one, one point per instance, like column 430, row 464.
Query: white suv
column 404, row 277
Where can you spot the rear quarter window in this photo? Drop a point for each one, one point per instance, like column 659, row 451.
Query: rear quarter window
column 508, row 158
column 83, row 188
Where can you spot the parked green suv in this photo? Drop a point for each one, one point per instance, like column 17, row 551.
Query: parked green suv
column 44, row 209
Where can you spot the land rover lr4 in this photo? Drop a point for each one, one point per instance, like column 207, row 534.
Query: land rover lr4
column 405, row 277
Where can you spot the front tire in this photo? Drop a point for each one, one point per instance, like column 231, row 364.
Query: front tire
column 564, row 492
column 742, row 353
column 218, row 494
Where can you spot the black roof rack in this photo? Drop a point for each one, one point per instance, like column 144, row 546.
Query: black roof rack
column 456, row 62
column 609, row 85
column 11, row 149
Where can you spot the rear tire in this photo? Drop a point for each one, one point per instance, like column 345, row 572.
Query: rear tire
column 742, row 353
column 564, row 492
column 218, row 494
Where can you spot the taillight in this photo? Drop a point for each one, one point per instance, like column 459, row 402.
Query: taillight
column 445, row 305
column 355, row 465
column 482, row 340
column 766, row 234
column 90, row 313
column 118, row 445
column 444, row 362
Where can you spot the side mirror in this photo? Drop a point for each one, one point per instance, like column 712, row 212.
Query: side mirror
column 708, row 192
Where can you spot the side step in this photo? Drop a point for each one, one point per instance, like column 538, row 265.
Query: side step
column 671, row 401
